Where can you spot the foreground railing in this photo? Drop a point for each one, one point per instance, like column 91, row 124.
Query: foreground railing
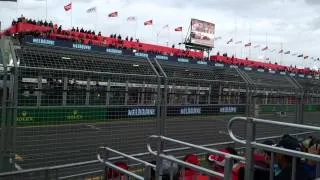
column 251, row 144
column 103, row 156
column 228, row 157
column 53, row 172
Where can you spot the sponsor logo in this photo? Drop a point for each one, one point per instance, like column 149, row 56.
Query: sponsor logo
column 141, row 55
column 248, row 68
column 292, row 74
column 316, row 77
column 190, row 110
column 24, row 116
column 81, row 46
column 283, row 73
column 43, row 41
column 233, row 66
column 114, row 51
column 228, row 109
column 218, row 65
column 309, row 76
column 301, row 75
column 141, row 112
column 183, row 60
column 272, row 72
column 162, row 57
column 202, row 62
column 75, row 116
column 260, row 70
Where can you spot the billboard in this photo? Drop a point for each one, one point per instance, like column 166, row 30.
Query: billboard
column 202, row 33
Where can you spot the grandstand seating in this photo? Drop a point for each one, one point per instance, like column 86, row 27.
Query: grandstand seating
column 33, row 56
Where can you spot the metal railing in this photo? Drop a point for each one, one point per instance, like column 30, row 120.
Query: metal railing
column 251, row 144
column 228, row 157
column 103, row 157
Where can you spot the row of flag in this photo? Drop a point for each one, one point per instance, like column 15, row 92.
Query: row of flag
column 249, row 44
column 150, row 22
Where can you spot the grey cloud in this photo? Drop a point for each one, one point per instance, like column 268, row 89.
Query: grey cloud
column 313, row 2
column 315, row 23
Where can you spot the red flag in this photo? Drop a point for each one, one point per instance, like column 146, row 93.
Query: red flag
column 265, row 48
column 178, row 29
column 248, row 44
column 68, row 7
column 150, row 22
column 113, row 14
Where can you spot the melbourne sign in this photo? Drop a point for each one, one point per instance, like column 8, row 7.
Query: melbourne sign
column 190, row 110
column 142, row 112
column 228, row 109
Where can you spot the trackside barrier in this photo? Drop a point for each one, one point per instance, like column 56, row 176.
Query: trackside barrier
column 251, row 144
column 228, row 157
column 103, row 157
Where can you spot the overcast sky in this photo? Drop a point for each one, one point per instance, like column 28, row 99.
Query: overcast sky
column 294, row 23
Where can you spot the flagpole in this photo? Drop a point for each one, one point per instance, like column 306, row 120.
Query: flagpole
column 46, row 10
column 136, row 28
column 265, row 52
column 281, row 59
column 71, row 13
column 250, row 41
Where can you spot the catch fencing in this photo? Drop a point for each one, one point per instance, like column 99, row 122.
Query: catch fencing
column 59, row 105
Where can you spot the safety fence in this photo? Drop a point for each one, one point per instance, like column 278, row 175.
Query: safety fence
column 59, row 105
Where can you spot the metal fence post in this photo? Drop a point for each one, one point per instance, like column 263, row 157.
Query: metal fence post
column 250, row 137
column 4, row 160
column 228, row 167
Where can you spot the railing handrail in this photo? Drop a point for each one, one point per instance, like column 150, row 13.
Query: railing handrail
column 107, row 149
column 71, row 165
column 213, row 151
column 274, row 149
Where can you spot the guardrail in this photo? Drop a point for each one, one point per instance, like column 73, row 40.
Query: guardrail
column 55, row 169
column 228, row 157
column 103, row 157
column 251, row 144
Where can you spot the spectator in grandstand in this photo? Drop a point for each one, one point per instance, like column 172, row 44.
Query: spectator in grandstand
column 127, row 38
column 59, row 29
column 51, row 24
column 99, row 34
column 21, row 18
column 312, row 146
column 81, row 30
column 168, row 168
column 261, row 165
column 192, row 159
column 131, row 39
column 114, row 174
column 285, row 162
column 119, row 37
column 217, row 162
column 13, row 23
column 77, row 30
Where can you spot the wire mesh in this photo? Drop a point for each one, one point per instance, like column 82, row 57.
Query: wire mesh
column 200, row 101
column 70, row 103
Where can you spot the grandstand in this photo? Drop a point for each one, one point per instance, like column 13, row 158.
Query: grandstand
column 65, row 99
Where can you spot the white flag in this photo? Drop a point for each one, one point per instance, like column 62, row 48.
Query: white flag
column 91, row 10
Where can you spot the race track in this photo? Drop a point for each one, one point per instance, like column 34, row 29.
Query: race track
column 41, row 146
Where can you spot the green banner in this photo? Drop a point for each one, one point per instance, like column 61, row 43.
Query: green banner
column 57, row 115
column 311, row 108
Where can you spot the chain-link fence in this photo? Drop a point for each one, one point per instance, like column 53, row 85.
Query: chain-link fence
column 61, row 104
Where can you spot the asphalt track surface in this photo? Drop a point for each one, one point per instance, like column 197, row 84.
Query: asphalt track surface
column 41, row 146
